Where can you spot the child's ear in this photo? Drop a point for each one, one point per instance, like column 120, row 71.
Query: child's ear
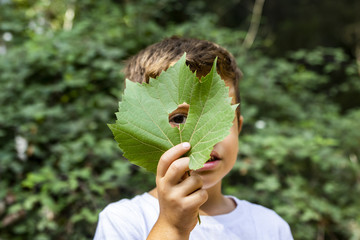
column 240, row 123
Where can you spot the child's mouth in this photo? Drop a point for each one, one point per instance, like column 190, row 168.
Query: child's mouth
column 214, row 156
column 213, row 159
column 212, row 163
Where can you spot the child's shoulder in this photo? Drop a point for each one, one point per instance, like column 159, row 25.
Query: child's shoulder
column 137, row 205
column 257, row 212
column 128, row 218
column 265, row 220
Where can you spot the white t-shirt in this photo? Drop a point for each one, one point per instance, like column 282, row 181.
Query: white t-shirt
column 134, row 218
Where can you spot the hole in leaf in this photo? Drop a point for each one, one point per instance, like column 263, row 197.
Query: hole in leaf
column 179, row 115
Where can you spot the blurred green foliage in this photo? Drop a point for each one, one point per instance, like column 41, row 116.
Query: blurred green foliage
column 60, row 85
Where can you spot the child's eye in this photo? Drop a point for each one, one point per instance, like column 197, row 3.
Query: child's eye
column 178, row 119
column 179, row 115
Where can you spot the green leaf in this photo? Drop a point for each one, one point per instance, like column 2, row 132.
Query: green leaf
column 142, row 128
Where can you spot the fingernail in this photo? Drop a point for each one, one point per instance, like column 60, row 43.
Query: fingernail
column 186, row 145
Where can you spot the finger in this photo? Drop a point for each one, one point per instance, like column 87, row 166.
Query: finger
column 186, row 175
column 171, row 155
column 190, row 184
column 197, row 198
column 177, row 171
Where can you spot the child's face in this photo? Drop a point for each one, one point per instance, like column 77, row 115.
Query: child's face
column 224, row 153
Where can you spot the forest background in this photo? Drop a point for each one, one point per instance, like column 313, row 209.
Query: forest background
column 61, row 80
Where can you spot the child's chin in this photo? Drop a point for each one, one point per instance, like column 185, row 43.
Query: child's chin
column 209, row 183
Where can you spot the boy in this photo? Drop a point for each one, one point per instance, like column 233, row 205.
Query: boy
column 170, row 210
